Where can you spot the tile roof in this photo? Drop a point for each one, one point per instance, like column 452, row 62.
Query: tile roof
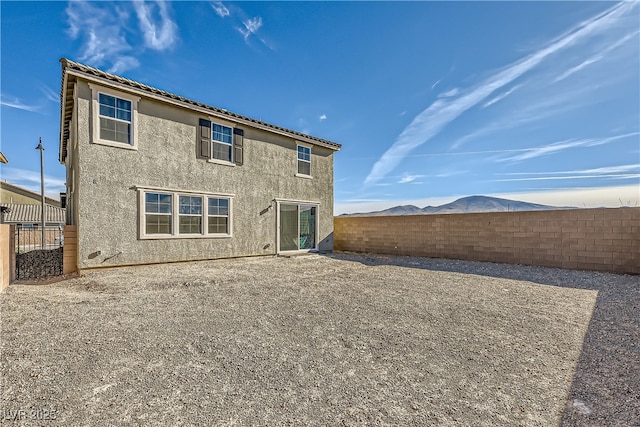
column 22, row 213
column 76, row 69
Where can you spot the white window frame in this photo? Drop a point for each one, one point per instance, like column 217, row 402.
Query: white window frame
column 180, row 214
column 228, row 215
column 143, row 213
column 215, row 121
column 298, row 159
column 175, row 214
column 95, row 110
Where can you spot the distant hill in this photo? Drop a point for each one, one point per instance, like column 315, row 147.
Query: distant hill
column 464, row 205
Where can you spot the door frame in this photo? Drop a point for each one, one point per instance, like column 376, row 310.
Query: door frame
column 298, row 203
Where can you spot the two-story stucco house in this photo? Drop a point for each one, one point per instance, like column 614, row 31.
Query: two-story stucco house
column 153, row 177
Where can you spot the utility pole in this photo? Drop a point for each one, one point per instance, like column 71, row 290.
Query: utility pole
column 41, row 149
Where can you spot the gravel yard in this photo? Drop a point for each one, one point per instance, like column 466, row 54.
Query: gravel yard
column 336, row 339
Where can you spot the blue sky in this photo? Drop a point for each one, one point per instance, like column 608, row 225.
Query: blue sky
column 537, row 101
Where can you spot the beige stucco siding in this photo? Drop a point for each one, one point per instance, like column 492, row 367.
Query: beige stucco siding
column 107, row 197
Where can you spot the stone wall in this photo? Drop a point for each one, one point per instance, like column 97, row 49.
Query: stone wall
column 39, row 263
column 585, row 239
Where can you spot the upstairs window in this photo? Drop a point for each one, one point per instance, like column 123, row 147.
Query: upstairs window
column 115, row 118
column 222, row 142
column 304, row 160
column 219, row 143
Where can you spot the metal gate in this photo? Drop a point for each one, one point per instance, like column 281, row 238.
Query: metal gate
column 34, row 259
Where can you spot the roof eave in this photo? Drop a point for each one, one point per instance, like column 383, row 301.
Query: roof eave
column 63, row 124
column 150, row 92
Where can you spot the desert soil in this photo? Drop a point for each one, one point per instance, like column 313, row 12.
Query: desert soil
column 340, row 339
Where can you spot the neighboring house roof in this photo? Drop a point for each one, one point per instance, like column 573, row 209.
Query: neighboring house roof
column 5, row 186
column 75, row 69
column 19, row 213
column 3, row 159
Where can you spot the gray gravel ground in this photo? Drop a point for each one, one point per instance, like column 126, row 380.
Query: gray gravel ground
column 341, row 339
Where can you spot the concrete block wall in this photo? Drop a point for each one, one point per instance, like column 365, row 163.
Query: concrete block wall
column 584, row 239
column 5, row 251
column 70, row 250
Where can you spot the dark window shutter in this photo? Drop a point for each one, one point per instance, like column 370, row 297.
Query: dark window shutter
column 238, row 145
column 204, row 139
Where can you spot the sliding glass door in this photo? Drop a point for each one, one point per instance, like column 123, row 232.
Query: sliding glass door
column 297, row 226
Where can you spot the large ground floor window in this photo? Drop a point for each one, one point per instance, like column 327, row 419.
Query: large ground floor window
column 297, row 226
column 172, row 213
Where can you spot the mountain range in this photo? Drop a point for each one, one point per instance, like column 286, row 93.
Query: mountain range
column 464, row 205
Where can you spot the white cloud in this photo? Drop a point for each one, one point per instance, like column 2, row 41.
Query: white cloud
column 631, row 171
column 323, row 117
column 535, row 110
column 220, row 9
column 158, row 34
column 500, row 97
column 448, row 94
column 50, row 94
column 251, row 27
column 103, row 29
column 578, row 67
column 450, row 173
column 602, row 170
column 30, row 180
column 564, row 145
column 13, row 102
column 564, row 177
column 443, row 111
column 595, row 58
column 409, row 178
column 123, row 63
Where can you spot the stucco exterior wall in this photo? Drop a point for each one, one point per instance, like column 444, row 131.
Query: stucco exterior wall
column 8, row 196
column 107, row 213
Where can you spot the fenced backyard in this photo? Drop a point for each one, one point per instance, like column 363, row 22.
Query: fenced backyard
column 325, row 340
column 583, row 239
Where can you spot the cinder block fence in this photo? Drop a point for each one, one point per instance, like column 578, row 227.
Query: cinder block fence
column 5, row 256
column 585, row 239
column 70, row 253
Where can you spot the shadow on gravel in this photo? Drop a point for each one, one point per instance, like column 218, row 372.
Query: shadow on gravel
column 606, row 384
